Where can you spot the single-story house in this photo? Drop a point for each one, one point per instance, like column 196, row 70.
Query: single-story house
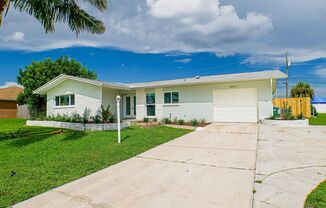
column 319, row 103
column 8, row 103
column 241, row 97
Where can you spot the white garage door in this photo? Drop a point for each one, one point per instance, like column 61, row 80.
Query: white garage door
column 235, row 105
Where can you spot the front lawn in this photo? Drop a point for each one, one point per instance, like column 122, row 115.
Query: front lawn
column 317, row 198
column 32, row 165
column 319, row 120
column 10, row 124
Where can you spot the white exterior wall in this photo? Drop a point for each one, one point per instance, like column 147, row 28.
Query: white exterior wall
column 86, row 95
column 109, row 98
column 321, row 108
column 196, row 101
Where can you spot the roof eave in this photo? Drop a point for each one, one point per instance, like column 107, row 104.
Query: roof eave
column 205, row 82
column 59, row 79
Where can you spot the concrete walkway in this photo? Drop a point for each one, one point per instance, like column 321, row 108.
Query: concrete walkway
column 210, row 168
column 291, row 162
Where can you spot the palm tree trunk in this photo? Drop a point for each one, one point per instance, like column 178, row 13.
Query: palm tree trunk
column 3, row 6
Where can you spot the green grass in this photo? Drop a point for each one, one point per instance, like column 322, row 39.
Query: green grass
column 319, row 120
column 35, row 164
column 317, row 198
column 10, row 124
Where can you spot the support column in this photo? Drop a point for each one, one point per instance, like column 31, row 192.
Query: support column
column 140, row 104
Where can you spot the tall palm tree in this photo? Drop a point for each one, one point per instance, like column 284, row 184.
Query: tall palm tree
column 302, row 89
column 49, row 12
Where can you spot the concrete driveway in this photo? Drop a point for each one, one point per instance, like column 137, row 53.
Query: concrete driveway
column 210, row 168
column 291, row 162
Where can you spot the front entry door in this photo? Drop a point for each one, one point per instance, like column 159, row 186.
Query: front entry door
column 129, row 106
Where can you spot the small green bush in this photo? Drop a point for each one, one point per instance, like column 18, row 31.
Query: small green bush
column 166, row 120
column 112, row 119
column 181, row 121
column 154, row 119
column 86, row 115
column 175, row 120
column 146, row 120
column 194, row 122
column 96, row 119
column 286, row 112
column 300, row 116
column 76, row 118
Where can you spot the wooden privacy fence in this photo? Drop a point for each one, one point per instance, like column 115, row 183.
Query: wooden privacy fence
column 298, row 105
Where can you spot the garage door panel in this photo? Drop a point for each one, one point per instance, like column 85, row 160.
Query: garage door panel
column 235, row 105
column 235, row 114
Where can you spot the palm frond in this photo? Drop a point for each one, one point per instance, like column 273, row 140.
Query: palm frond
column 49, row 12
column 3, row 8
column 99, row 4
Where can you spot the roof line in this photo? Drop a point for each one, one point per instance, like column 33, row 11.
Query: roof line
column 247, row 76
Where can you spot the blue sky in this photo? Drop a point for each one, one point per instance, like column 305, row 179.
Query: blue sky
column 165, row 39
column 125, row 66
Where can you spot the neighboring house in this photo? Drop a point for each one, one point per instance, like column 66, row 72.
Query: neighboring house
column 320, row 104
column 242, row 97
column 8, row 103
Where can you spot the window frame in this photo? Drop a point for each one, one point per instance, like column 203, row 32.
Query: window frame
column 171, row 97
column 69, row 101
column 151, row 104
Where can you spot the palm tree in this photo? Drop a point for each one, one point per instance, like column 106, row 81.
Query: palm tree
column 302, row 89
column 49, row 12
column 3, row 6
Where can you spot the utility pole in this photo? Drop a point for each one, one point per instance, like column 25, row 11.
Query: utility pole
column 287, row 74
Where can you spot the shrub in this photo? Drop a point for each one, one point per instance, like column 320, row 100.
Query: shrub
column 154, row 119
column 286, row 112
column 181, row 121
column 146, row 120
column 86, row 115
column 76, row 118
column 105, row 113
column 314, row 111
column 96, row 118
column 112, row 119
column 202, row 121
column 166, row 120
column 194, row 122
column 175, row 120
column 300, row 116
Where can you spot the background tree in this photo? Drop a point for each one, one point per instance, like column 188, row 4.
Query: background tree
column 302, row 89
column 49, row 12
column 40, row 72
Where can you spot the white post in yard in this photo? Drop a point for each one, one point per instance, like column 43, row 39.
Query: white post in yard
column 118, row 98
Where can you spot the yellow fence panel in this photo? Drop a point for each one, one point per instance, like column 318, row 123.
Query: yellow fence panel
column 298, row 105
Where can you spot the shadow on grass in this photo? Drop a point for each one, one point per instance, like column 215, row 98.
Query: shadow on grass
column 40, row 136
column 23, row 141
column 74, row 135
column 125, row 138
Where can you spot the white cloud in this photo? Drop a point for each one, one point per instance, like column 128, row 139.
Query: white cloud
column 321, row 72
column 184, row 61
column 16, row 36
column 263, row 29
column 10, row 84
column 206, row 24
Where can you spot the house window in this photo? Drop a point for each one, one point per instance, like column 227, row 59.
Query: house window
column 171, row 97
column 65, row 100
column 150, row 104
